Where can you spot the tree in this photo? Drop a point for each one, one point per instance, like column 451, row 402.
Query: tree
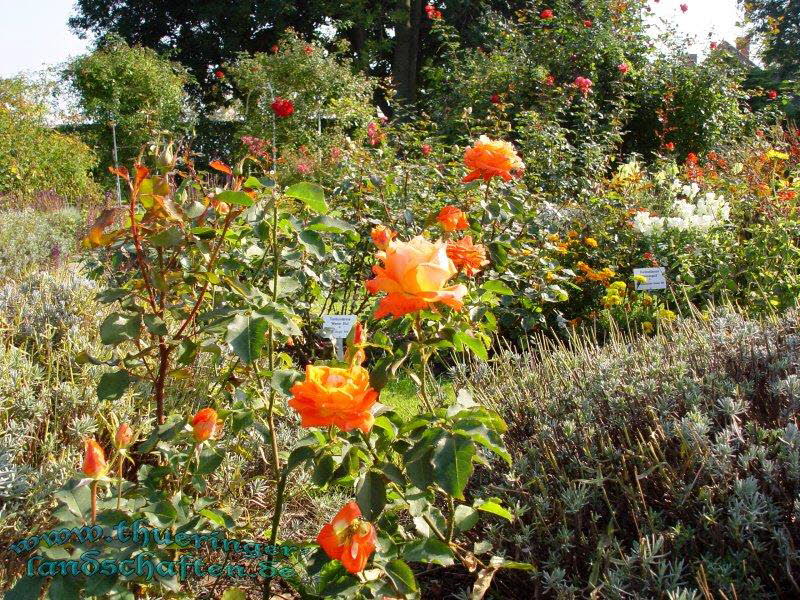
column 206, row 34
column 777, row 22
column 143, row 93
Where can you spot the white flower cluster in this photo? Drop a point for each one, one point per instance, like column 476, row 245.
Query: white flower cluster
column 692, row 212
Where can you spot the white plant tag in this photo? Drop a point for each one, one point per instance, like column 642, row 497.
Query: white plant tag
column 338, row 327
column 656, row 279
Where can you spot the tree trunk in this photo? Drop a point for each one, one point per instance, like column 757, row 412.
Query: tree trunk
column 406, row 48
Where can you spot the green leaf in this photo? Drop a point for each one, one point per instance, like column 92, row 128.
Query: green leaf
column 235, row 198
column 246, row 336
column 312, row 241
column 401, row 576
column 371, row 495
column 253, row 183
column 161, row 514
column 465, row 517
column 113, row 385
column 429, row 550
column 168, row 238
column 277, row 316
column 155, row 325
column 492, row 505
column 283, row 380
column 234, row 593
column 330, row 225
column 419, row 466
column 64, row 588
column 117, row 328
column 323, row 471
column 475, row 345
column 209, row 461
column 27, row 588
column 218, row 518
column 111, row 294
column 498, row 287
column 298, row 457
column 452, row 464
column 310, row 194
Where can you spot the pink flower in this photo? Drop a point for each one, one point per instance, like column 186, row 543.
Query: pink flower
column 584, row 84
column 336, row 153
column 426, row 149
column 374, row 134
column 623, row 68
column 275, row 48
column 714, row 45
column 684, row 7
column 550, row 81
column 303, row 168
column 546, row 14
column 433, row 13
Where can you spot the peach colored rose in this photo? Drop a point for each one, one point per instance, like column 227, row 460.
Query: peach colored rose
column 489, row 158
column 205, row 424
column 414, row 276
column 335, row 396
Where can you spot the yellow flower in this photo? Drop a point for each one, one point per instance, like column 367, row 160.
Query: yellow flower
column 666, row 314
column 640, row 279
column 591, row 242
column 572, row 234
column 647, row 327
column 552, row 237
column 618, row 285
column 608, row 272
column 611, row 300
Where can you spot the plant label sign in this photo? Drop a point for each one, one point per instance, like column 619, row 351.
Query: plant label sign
column 656, row 280
column 338, row 327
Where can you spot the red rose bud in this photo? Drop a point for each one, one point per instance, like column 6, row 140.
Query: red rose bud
column 772, row 94
column 219, row 74
column 587, row 23
column 94, row 460
column 495, row 99
column 205, row 424
column 546, row 14
column 124, row 436
column 426, row 149
column 623, row 68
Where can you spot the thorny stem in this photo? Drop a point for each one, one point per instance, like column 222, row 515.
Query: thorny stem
column 186, row 468
column 424, row 362
column 119, row 482
column 94, row 500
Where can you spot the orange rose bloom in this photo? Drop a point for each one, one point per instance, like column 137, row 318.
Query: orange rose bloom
column 488, row 158
column 414, row 275
column 124, row 436
column 452, row 218
column 382, row 236
column 205, row 424
column 335, row 396
column 348, row 538
column 94, row 460
column 466, row 256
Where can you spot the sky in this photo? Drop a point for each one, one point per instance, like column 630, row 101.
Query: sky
column 34, row 33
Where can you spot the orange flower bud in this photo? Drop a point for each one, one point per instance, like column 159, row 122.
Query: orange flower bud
column 348, row 538
column 94, row 460
column 124, row 436
column 382, row 236
column 205, row 424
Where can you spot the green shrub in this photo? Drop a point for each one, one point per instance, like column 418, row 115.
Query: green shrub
column 31, row 239
column 653, row 468
column 34, row 157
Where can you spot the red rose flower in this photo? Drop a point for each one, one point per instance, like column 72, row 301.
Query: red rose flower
column 275, row 48
column 684, row 7
column 772, row 94
column 282, row 107
column 623, row 68
column 714, row 45
column 426, row 149
column 550, row 81
column 669, row 146
column 587, row 23
column 495, row 99
column 308, row 50
column 219, row 74
column 546, row 14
